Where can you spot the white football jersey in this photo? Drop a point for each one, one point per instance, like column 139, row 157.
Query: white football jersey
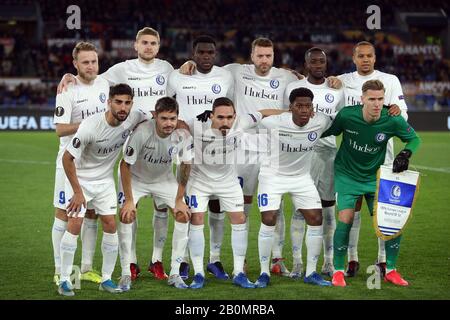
column 76, row 104
column 326, row 100
column 291, row 146
column 215, row 156
column 253, row 92
column 196, row 93
column 151, row 156
column 353, row 83
column 96, row 146
column 148, row 81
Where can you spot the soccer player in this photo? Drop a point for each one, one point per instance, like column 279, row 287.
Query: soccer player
column 147, row 76
column 366, row 130
column 287, row 170
column 82, row 100
column 213, row 174
column 88, row 163
column 146, row 170
column 364, row 59
column 195, row 94
column 327, row 101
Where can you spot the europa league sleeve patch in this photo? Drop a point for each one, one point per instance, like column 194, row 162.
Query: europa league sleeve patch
column 76, row 143
column 59, row 111
column 129, row 151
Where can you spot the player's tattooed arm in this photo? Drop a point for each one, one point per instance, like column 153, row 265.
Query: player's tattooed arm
column 188, row 68
column 180, row 205
column 128, row 211
column 77, row 201
column 66, row 129
column 67, row 79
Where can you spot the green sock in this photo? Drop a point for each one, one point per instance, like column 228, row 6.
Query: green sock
column 340, row 243
column 392, row 249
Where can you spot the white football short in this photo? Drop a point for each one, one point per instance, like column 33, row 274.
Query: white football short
column 59, row 194
column 229, row 193
column 301, row 189
column 99, row 197
column 322, row 172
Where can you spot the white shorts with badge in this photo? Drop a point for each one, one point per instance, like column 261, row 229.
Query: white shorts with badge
column 322, row 172
column 229, row 193
column 59, row 194
column 163, row 192
column 301, row 189
column 99, row 197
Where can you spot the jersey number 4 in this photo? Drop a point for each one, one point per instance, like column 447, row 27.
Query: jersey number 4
column 191, row 201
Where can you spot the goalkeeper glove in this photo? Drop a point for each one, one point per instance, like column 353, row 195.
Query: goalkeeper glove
column 203, row 117
column 401, row 161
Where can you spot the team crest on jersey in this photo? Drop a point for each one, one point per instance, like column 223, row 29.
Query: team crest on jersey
column 216, row 88
column 160, row 80
column 76, row 143
column 274, row 84
column 59, row 111
column 231, row 141
column 173, row 150
column 312, row 136
column 126, row 133
column 329, row 98
column 129, row 151
column 102, row 97
column 380, row 137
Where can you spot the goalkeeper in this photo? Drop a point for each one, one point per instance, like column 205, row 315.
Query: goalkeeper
column 365, row 130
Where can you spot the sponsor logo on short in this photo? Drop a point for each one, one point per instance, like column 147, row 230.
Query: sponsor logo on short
column 329, row 98
column 102, row 97
column 274, row 83
column 216, row 88
column 129, row 151
column 380, row 137
column 59, row 111
column 160, row 80
column 76, row 142
column 312, row 136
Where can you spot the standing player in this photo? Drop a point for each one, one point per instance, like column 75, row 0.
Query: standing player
column 365, row 132
column 83, row 99
column 146, row 170
column 88, row 163
column 147, row 76
column 364, row 59
column 327, row 101
column 195, row 94
column 286, row 170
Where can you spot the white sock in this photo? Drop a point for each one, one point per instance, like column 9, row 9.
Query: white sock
column 125, row 238
column 160, row 226
column 313, row 242
column 88, row 243
column 265, row 243
column 179, row 243
column 110, row 248
column 58, row 229
column 354, row 238
column 381, row 250
column 133, row 258
column 297, row 234
column 239, row 242
column 197, row 247
column 67, row 249
column 329, row 225
column 247, row 210
column 278, row 236
column 216, row 229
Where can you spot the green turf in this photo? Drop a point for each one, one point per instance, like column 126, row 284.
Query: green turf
column 26, row 267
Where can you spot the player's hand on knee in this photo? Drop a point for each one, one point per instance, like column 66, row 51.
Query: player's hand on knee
column 188, row 68
column 394, row 110
column 401, row 161
column 128, row 212
column 77, row 204
column 203, row 117
column 334, row 82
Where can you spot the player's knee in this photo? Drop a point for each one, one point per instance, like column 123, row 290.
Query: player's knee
column 61, row 214
column 269, row 218
column 197, row 219
column 182, row 218
column 109, row 225
column 315, row 220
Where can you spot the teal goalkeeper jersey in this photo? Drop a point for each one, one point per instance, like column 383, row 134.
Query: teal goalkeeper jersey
column 363, row 146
